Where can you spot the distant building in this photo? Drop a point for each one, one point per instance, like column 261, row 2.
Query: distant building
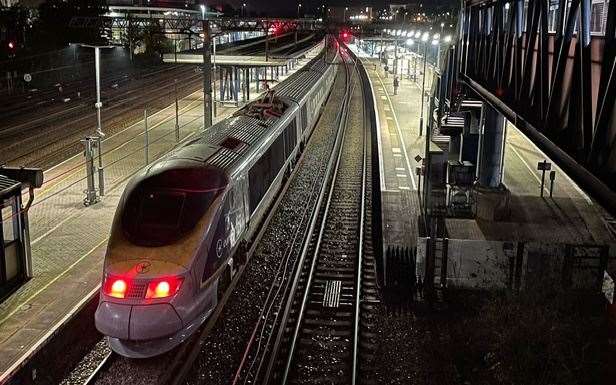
column 10, row 3
column 346, row 14
column 155, row 3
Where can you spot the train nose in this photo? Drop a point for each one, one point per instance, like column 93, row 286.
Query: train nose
column 137, row 322
column 140, row 306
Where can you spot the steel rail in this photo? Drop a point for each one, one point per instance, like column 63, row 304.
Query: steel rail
column 313, row 223
column 317, row 247
column 315, row 193
column 102, row 367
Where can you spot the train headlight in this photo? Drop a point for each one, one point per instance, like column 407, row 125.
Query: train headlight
column 163, row 288
column 115, row 287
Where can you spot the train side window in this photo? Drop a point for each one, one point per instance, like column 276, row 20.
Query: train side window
column 290, row 138
column 304, row 117
column 262, row 174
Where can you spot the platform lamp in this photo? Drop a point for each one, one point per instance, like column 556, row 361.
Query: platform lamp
column 207, row 70
column 99, row 127
column 424, row 39
column 409, row 43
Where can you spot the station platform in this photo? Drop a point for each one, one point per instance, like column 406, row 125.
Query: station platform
column 68, row 240
column 570, row 216
column 398, row 131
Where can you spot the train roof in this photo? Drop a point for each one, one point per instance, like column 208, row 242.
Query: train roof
column 223, row 144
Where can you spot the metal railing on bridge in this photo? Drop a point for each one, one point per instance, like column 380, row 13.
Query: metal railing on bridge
column 548, row 67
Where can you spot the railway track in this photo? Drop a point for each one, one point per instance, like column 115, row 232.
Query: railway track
column 315, row 324
column 45, row 145
column 320, row 334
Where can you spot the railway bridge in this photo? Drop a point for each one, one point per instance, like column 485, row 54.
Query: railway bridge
column 549, row 68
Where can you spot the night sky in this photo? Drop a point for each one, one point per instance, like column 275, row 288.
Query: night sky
column 290, row 6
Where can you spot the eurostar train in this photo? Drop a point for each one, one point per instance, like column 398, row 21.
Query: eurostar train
column 182, row 218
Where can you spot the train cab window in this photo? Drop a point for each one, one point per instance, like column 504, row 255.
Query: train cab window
column 164, row 208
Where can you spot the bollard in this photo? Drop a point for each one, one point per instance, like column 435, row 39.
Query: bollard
column 147, row 140
column 91, row 196
column 552, row 178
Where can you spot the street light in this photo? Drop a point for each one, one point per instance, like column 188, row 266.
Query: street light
column 424, row 39
column 243, row 9
column 202, row 6
column 299, row 6
column 99, row 127
column 344, row 14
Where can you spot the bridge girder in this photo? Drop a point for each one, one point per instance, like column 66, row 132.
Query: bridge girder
column 561, row 90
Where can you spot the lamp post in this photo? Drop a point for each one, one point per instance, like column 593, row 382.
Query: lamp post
column 99, row 127
column 436, row 41
column 299, row 7
column 424, row 39
column 207, row 71
column 344, row 14
column 243, row 9
column 409, row 43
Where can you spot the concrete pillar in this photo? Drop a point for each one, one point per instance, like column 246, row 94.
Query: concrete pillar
column 492, row 197
column 491, row 150
column 222, row 85
column 257, row 70
column 248, row 71
column 236, row 85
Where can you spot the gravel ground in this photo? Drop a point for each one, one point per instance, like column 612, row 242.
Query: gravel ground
column 88, row 364
column 224, row 347
column 409, row 347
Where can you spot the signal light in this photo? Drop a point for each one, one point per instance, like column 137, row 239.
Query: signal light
column 163, row 288
column 115, row 287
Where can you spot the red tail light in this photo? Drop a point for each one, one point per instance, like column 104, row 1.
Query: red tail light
column 115, row 287
column 163, row 288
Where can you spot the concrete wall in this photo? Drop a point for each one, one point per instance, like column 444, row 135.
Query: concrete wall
column 479, row 264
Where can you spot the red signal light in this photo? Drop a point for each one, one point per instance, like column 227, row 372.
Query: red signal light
column 345, row 35
column 115, row 287
column 163, row 288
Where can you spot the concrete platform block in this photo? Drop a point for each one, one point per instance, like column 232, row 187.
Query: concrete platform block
column 492, row 204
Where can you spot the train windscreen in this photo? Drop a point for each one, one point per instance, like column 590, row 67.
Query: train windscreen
column 163, row 208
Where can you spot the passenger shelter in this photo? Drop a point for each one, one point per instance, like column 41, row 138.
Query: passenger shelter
column 15, row 256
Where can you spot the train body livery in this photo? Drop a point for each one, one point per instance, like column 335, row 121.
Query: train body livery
column 181, row 219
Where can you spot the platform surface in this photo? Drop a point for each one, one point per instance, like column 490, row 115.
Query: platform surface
column 398, row 130
column 69, row 240
column 569, row 216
